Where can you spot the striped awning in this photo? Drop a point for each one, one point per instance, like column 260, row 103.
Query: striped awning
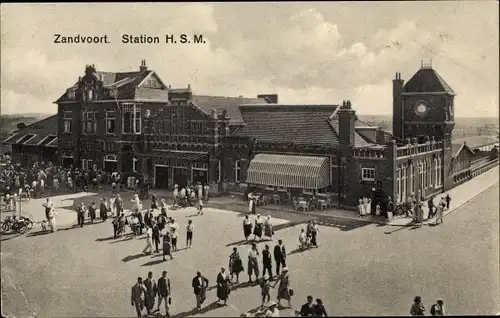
column 288, row 171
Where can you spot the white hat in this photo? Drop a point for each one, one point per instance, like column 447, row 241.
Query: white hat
column 266, row 277
column 271, row 303
column 285, row 269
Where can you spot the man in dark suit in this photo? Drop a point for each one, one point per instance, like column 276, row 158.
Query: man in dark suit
column 148, row 218
column 279, row 256
column 199, row 284
column 151, row 290
column 164, row 291
column 307, row 309
column 137, row 296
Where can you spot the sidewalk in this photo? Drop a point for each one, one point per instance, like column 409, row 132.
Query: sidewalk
column 460, row 195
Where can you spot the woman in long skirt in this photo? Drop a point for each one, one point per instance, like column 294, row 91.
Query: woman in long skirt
column 154, row 202
column 362, row 207
column 284, row 287
column 257, row 230
column 247, row 227
column 439, row 214
column 235, row 265
column 314, row 234
column 223, row 289
column 268, row 228
column 164, row 208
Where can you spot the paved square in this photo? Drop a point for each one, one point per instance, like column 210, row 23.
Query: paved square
column 357, row 270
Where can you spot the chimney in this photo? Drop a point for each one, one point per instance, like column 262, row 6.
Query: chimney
column 143, row 68
column 397, row 106
column 347, row 120
column 270, row 98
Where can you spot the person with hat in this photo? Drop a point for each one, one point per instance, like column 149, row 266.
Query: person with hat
column 223, row 289
column 284, row 290
column 438, row 308
column 307, row 309
column 417, row 309
column 272, row 310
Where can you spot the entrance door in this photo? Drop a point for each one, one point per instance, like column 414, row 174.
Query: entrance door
column 200, row 176
column 181, row 177
column 161, row 177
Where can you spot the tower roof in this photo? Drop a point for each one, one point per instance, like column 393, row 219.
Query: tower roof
column 427, row 80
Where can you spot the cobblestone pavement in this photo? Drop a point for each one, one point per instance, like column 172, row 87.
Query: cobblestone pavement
column 358, row 269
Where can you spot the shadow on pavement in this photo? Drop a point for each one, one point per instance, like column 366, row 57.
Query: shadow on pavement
column 242, row 285
column 132, row 257
column 300, row 250
column 153, row 262
column 10, row 236
column 126, row 238
column 397, row 229
column 237, row 243
column 104, row 239
column 194, row 311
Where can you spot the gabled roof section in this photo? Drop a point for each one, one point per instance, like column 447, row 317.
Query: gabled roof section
column 152, row 74
column 230, row 104
column 429, row 81
column 361, row 137
column 298, row 124
column 457, row 148
column 125, row 84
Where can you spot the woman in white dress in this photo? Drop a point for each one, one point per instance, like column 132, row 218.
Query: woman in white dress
column 268, row 228
column 361, row 208
column 111, row 205
column 137, row 203
column 250, row 202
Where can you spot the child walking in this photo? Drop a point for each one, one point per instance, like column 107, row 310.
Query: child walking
column 265, row 286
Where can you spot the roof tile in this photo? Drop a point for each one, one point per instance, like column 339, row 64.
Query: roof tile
column 299, row 124
column 230, row 104
column 427, row 80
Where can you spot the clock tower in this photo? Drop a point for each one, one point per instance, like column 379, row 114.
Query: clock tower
column 423, row 107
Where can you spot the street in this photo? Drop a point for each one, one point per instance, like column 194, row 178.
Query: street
column 358, row 269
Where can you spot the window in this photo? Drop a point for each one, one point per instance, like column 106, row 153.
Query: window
column 151, row 83
column 368, row 174
column 421, row 177
column 68, row 119
column 429, row 172
column 398, row 184
column 438, row 171
column 110, row 123
column 218, row 172
column 89, row 122
column 71, row 94
column 134, row 164
column 87, row 164
column 412, row 179
column 90, row 94
column 403, row 182
column 237, row 171
column 131, row 119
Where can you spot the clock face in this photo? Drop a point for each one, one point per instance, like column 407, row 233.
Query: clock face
column 420, row 109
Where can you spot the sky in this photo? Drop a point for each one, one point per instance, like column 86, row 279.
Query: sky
column 307, row 52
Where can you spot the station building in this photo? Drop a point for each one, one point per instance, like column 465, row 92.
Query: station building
column 133, row 122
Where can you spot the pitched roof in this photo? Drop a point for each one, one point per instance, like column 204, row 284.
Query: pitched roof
column 477, row 141
column 361, row 138
column 298, row 124
column 41, row 132
column 457, row 148
column 126, row 84
column 230, row 104
column 427, row 80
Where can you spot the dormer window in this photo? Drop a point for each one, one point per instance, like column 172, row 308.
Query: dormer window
column 71, row 94
column 152, row 83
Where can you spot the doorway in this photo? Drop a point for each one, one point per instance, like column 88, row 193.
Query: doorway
column 161, row 177
column 181, row 177
column 200, row 176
